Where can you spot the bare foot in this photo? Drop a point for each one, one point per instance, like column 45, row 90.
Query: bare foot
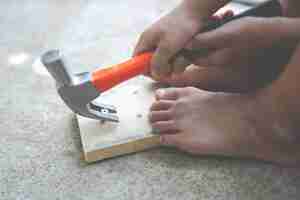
column 208, row 123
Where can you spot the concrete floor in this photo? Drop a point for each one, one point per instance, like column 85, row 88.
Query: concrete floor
column 39, row 142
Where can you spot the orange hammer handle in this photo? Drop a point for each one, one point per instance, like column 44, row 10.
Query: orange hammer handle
column 104, row 79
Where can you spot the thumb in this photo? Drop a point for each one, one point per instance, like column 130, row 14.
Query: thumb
column 147, row 41
column 161, row 65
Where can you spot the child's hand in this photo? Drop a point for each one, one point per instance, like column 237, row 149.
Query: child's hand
column 245, row 54
column 167, row 36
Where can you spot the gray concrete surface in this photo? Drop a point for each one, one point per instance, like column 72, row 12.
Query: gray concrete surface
column 39, row 139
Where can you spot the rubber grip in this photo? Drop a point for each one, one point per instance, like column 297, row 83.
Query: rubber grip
column 104, row 79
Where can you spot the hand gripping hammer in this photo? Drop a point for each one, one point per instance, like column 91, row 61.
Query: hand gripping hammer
column 79, row 90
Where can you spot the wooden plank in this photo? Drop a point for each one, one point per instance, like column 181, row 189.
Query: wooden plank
column 132, row 134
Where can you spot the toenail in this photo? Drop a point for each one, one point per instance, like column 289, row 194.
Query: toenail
column 160, row 92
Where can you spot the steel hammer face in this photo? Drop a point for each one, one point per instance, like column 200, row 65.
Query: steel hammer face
column 76, row 90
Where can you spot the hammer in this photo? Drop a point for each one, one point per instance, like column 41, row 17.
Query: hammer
column 80, row 90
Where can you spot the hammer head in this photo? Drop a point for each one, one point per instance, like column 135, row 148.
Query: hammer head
column 77, row 90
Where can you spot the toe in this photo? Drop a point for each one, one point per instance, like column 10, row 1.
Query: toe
column 160, row 116
column 172, row 140
column 161, row 105
column 168, row 94
column 164, row 126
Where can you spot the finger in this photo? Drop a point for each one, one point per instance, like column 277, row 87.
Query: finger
column 174, row 140
column 161, row 105
column 223, row 58
column 227, row 80
column 168, row 94
column 169, row 46
column 221, row 37
column 160, row 65
column 147, row 42
column 214, row 79
column 156, row 116
column 203, row 62
column 164, row 126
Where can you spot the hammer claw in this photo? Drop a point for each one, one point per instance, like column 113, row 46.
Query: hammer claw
column 103, row 111
column 77, row 90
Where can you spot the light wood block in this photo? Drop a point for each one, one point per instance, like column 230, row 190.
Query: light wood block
column 132, row 134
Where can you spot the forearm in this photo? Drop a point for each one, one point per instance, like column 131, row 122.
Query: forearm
column 203, row 8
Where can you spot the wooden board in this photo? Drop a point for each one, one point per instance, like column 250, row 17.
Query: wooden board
column 132, row 134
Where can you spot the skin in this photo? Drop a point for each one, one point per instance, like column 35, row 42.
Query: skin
column 173, row 31
column 177, row 30
column 259, row 121
column 240, row 125
column 245, row 55
column 262, row 124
